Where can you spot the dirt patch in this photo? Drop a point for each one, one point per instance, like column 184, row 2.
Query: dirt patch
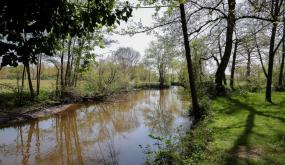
column 24, row 114
column 250, row 152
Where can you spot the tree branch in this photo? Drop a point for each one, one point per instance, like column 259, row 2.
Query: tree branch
column 211, row 8
column 254, row 17
column 278, row 45
column 260, row 57
column 202, row 26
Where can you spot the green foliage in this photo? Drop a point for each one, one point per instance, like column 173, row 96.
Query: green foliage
column 195, row 143
column 164, row 151
column 38, row 25
column 253, row 85
column 160, row 56
column 104, row 79
column 238, row 130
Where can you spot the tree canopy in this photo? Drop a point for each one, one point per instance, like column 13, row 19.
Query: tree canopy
column 31, row 27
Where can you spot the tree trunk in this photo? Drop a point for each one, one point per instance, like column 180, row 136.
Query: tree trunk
column 161, row 77
column 280, row 79
column 72, row 69
column 260, row 58
column 225, row 79
column 227, row 54
column 56, row 83
column 30, row 80
column 39, row 67
column 221, row 56
column 195, row 105
column 248, row 66
column 18, row 87
column 61, row 66
column 33, row 71
column 270, row 63
column 67, row 72
column 22, row 86
column 233, row 66
column 77, row 61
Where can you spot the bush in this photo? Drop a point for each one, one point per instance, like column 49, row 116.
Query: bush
column 253, row 85
column 184, row 148
column 167, row 150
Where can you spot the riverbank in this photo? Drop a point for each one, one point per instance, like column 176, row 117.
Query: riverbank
column 48, row 108
column 240, row 129
column 118, row 125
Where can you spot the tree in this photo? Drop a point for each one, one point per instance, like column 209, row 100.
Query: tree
column 275, row 13
column 127, row 57
column 247, row 44
column 195, row 104
column 38, row 25
column 159, row 55
column 177, row 16
column 231, row 19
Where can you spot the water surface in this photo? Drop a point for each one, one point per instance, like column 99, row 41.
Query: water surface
column 98, row 133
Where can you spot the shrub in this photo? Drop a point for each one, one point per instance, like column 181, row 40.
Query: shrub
column 253, row 85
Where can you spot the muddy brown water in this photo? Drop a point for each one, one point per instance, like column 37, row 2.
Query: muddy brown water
column 98, row 133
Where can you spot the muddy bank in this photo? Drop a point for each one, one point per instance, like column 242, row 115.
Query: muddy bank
column 23, row 114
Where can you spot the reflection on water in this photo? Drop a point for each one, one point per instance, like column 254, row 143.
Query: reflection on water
column 101, row 133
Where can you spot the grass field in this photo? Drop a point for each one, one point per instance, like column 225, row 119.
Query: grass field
column 8, row 93
column 247, row 130
column 45, row 84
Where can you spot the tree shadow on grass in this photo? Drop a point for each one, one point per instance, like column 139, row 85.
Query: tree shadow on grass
column 241, row 149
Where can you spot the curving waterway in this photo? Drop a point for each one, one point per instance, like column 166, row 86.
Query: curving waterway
column 97, row 133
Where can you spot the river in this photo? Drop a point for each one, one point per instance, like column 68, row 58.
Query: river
column 97, row 133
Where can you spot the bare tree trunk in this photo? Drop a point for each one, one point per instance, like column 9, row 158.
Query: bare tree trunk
column 221, row 56
column 57, row 83
column 195, row 104
column 39, row 68
column 228, row 48
column 275, row 10
column 77, row 62
column 248, row 66
column 72, row 69
column 18, row 87
column 30, row 80
column 61, row 66
column 22, row 86
column 33, row 72
column 260, row 58
column 233, row 66
column 161, row 76
column 67, row 72
column 280, row 79
column 270, row 63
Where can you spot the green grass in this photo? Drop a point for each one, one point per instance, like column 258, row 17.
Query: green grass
column 8, row 90
column 45, row 84
column 246, row 130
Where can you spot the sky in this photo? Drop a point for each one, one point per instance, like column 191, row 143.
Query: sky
column 139, row 41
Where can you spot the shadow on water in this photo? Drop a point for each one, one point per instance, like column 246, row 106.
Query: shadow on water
column 242, row 148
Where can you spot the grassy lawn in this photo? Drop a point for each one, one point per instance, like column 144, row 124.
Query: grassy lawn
column 247, row 130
